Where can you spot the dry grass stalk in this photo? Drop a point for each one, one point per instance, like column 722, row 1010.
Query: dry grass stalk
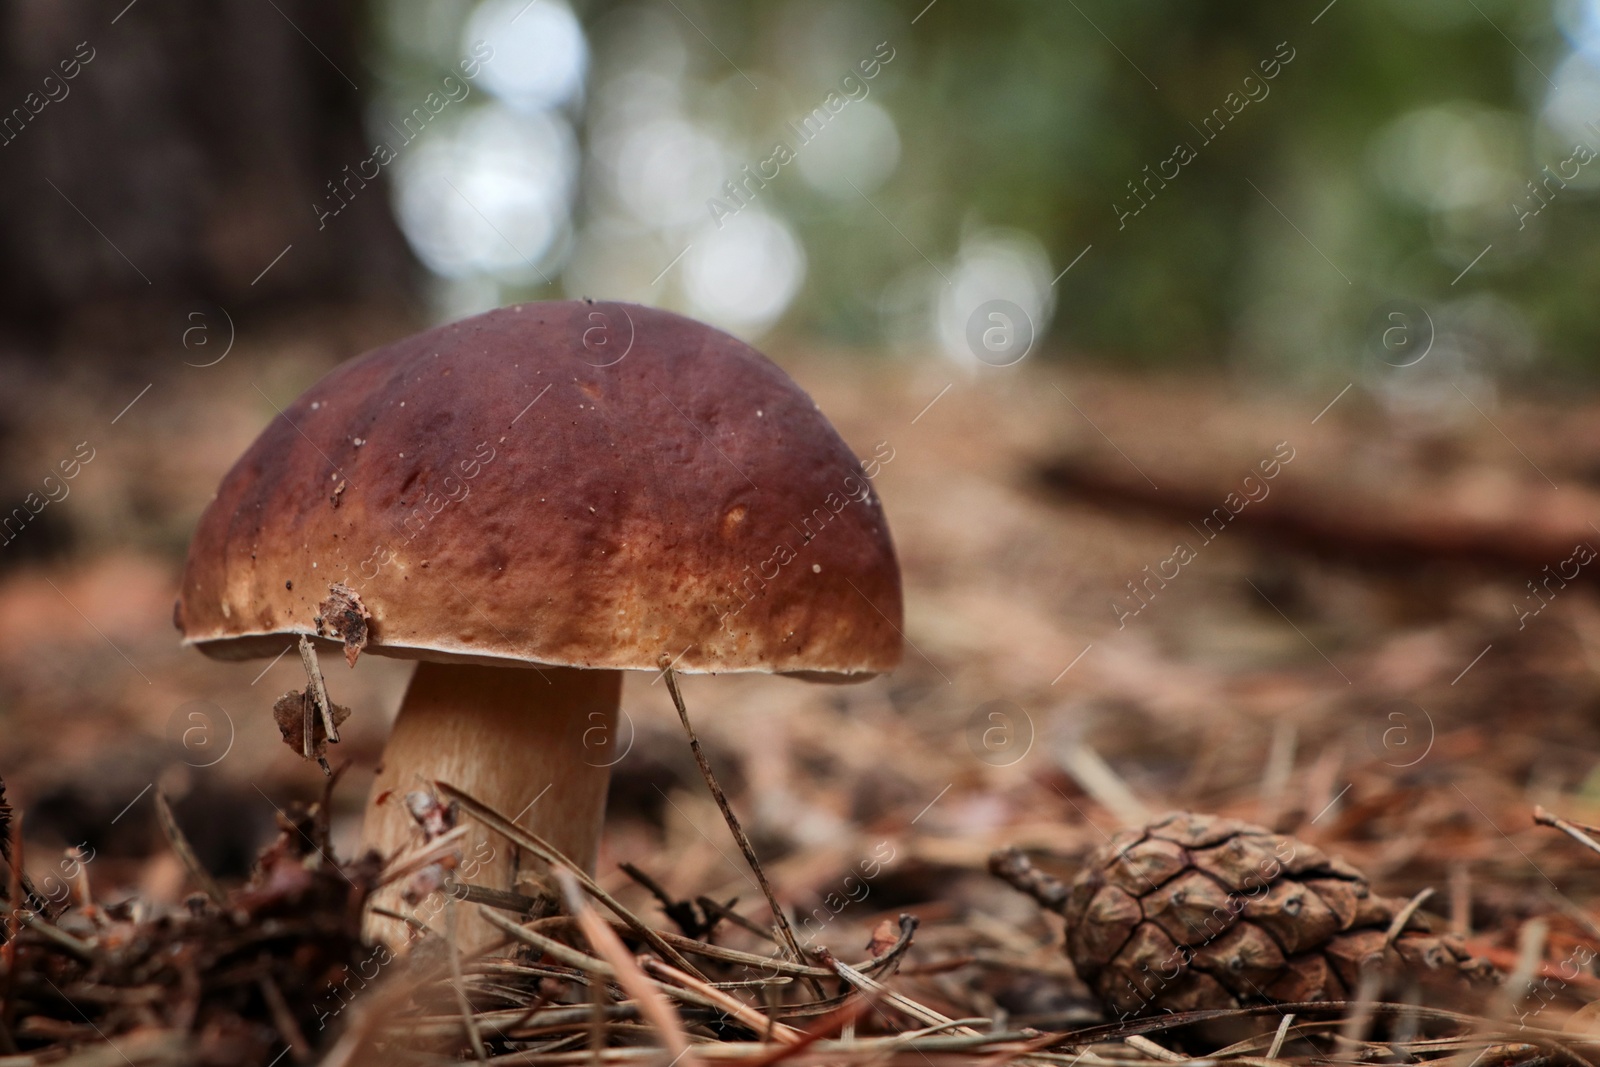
column 185, row 852
column 778, row 914
column 453, row 952
column 917, row 1011
column 1404, row 915
column 1153, row 1050
column 646, row 993
column 537, row 845
column 760, row 1024
column 1571, row 829
column 1090, row 770
column 1278, row 1037
column 428, row 852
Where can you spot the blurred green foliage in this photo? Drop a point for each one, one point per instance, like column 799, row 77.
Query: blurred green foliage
column 1270, row 249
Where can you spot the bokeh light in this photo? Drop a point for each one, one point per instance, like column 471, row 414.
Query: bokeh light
column 743, row 274
column 1450, row 157
column 993, row 264
column 663, row 170
column 540, row 54
column 860, row 145
column 492, row 194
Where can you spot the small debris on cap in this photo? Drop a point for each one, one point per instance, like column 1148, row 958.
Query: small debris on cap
column 343, row 616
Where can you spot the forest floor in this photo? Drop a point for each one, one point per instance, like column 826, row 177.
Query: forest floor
column 1364, row 648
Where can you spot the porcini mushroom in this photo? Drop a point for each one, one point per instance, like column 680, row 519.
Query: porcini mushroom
column 530, row 502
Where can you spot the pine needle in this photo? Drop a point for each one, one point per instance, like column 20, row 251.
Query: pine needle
column 732, row 820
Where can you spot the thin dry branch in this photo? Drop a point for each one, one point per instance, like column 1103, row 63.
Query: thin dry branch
column 319, row 693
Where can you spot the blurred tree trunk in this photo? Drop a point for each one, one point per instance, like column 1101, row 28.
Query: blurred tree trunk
column 195, row 138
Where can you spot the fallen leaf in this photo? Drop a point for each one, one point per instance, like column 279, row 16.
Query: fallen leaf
column 293, row 711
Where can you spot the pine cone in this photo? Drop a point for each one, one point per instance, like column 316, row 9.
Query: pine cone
column 1198, row 911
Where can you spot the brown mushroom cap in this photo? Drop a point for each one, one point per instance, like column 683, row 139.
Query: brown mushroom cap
column 576, row 484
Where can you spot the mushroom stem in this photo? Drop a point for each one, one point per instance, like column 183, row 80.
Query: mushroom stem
column 536, row 745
